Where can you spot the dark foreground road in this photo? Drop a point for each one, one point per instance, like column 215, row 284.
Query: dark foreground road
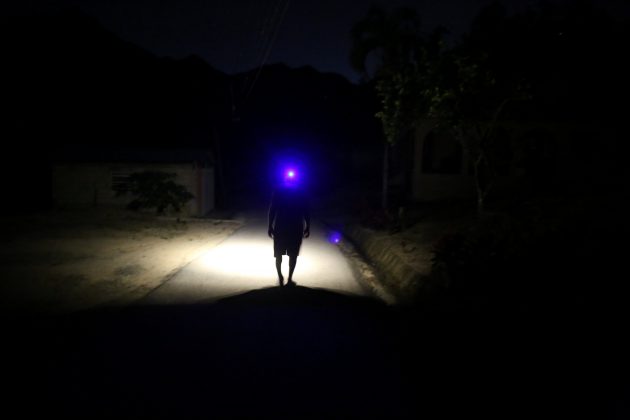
column 308, row 353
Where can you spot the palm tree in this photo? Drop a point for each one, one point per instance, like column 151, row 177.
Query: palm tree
column 392, row 38
column 383, row 45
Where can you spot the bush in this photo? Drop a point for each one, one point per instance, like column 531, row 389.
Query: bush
column 155, row 190
column 525, row 256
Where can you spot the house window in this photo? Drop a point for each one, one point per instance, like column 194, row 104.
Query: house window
column 441, row 154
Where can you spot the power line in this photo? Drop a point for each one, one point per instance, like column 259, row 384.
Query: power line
column 260, row 45
column 282, row 7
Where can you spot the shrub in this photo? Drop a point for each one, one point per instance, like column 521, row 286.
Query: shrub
column 518, row 256
column 155, row 190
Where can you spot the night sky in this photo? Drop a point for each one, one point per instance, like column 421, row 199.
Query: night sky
column 239, row 35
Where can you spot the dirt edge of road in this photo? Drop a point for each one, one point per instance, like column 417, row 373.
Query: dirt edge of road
column 70, row 261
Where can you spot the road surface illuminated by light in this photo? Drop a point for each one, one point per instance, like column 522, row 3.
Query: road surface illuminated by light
column 245, row 262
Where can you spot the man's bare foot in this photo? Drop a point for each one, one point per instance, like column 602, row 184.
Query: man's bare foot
column 290, row 282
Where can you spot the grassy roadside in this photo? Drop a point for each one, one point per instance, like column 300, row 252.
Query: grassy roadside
column 399, row 246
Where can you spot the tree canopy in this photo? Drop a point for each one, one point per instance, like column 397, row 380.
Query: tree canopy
column 551, row 62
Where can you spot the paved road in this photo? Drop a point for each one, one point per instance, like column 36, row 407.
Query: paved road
column 221, row 340
column 245, row 262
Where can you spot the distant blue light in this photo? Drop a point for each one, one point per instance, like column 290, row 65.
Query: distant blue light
column 334, row 237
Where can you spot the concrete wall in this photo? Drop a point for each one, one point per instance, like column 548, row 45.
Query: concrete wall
column 90, row 184
column 564, row 148
column 434, row 186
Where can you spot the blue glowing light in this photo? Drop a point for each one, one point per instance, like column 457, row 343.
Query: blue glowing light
column 290, row 177
column 334, row 237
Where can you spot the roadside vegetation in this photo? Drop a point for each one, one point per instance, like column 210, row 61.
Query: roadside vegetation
column 546, row 220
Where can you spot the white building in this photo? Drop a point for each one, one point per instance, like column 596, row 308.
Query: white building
column 83, row 178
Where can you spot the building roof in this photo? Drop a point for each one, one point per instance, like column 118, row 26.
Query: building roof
column 101, row 154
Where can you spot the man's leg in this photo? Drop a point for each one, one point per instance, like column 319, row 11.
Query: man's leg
column 292, row 263
column 279, row 269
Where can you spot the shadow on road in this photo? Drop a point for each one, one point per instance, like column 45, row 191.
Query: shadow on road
column 288, row 352
column 296, row 352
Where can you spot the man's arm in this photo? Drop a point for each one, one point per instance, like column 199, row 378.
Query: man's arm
column 272, row 215
column 307, row 220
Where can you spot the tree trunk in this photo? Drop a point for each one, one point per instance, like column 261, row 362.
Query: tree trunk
column 481, row 182
column 385, row 187
column 219, row 181
column 481, row 205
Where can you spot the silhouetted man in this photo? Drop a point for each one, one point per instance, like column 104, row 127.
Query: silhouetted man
column 289, row 222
